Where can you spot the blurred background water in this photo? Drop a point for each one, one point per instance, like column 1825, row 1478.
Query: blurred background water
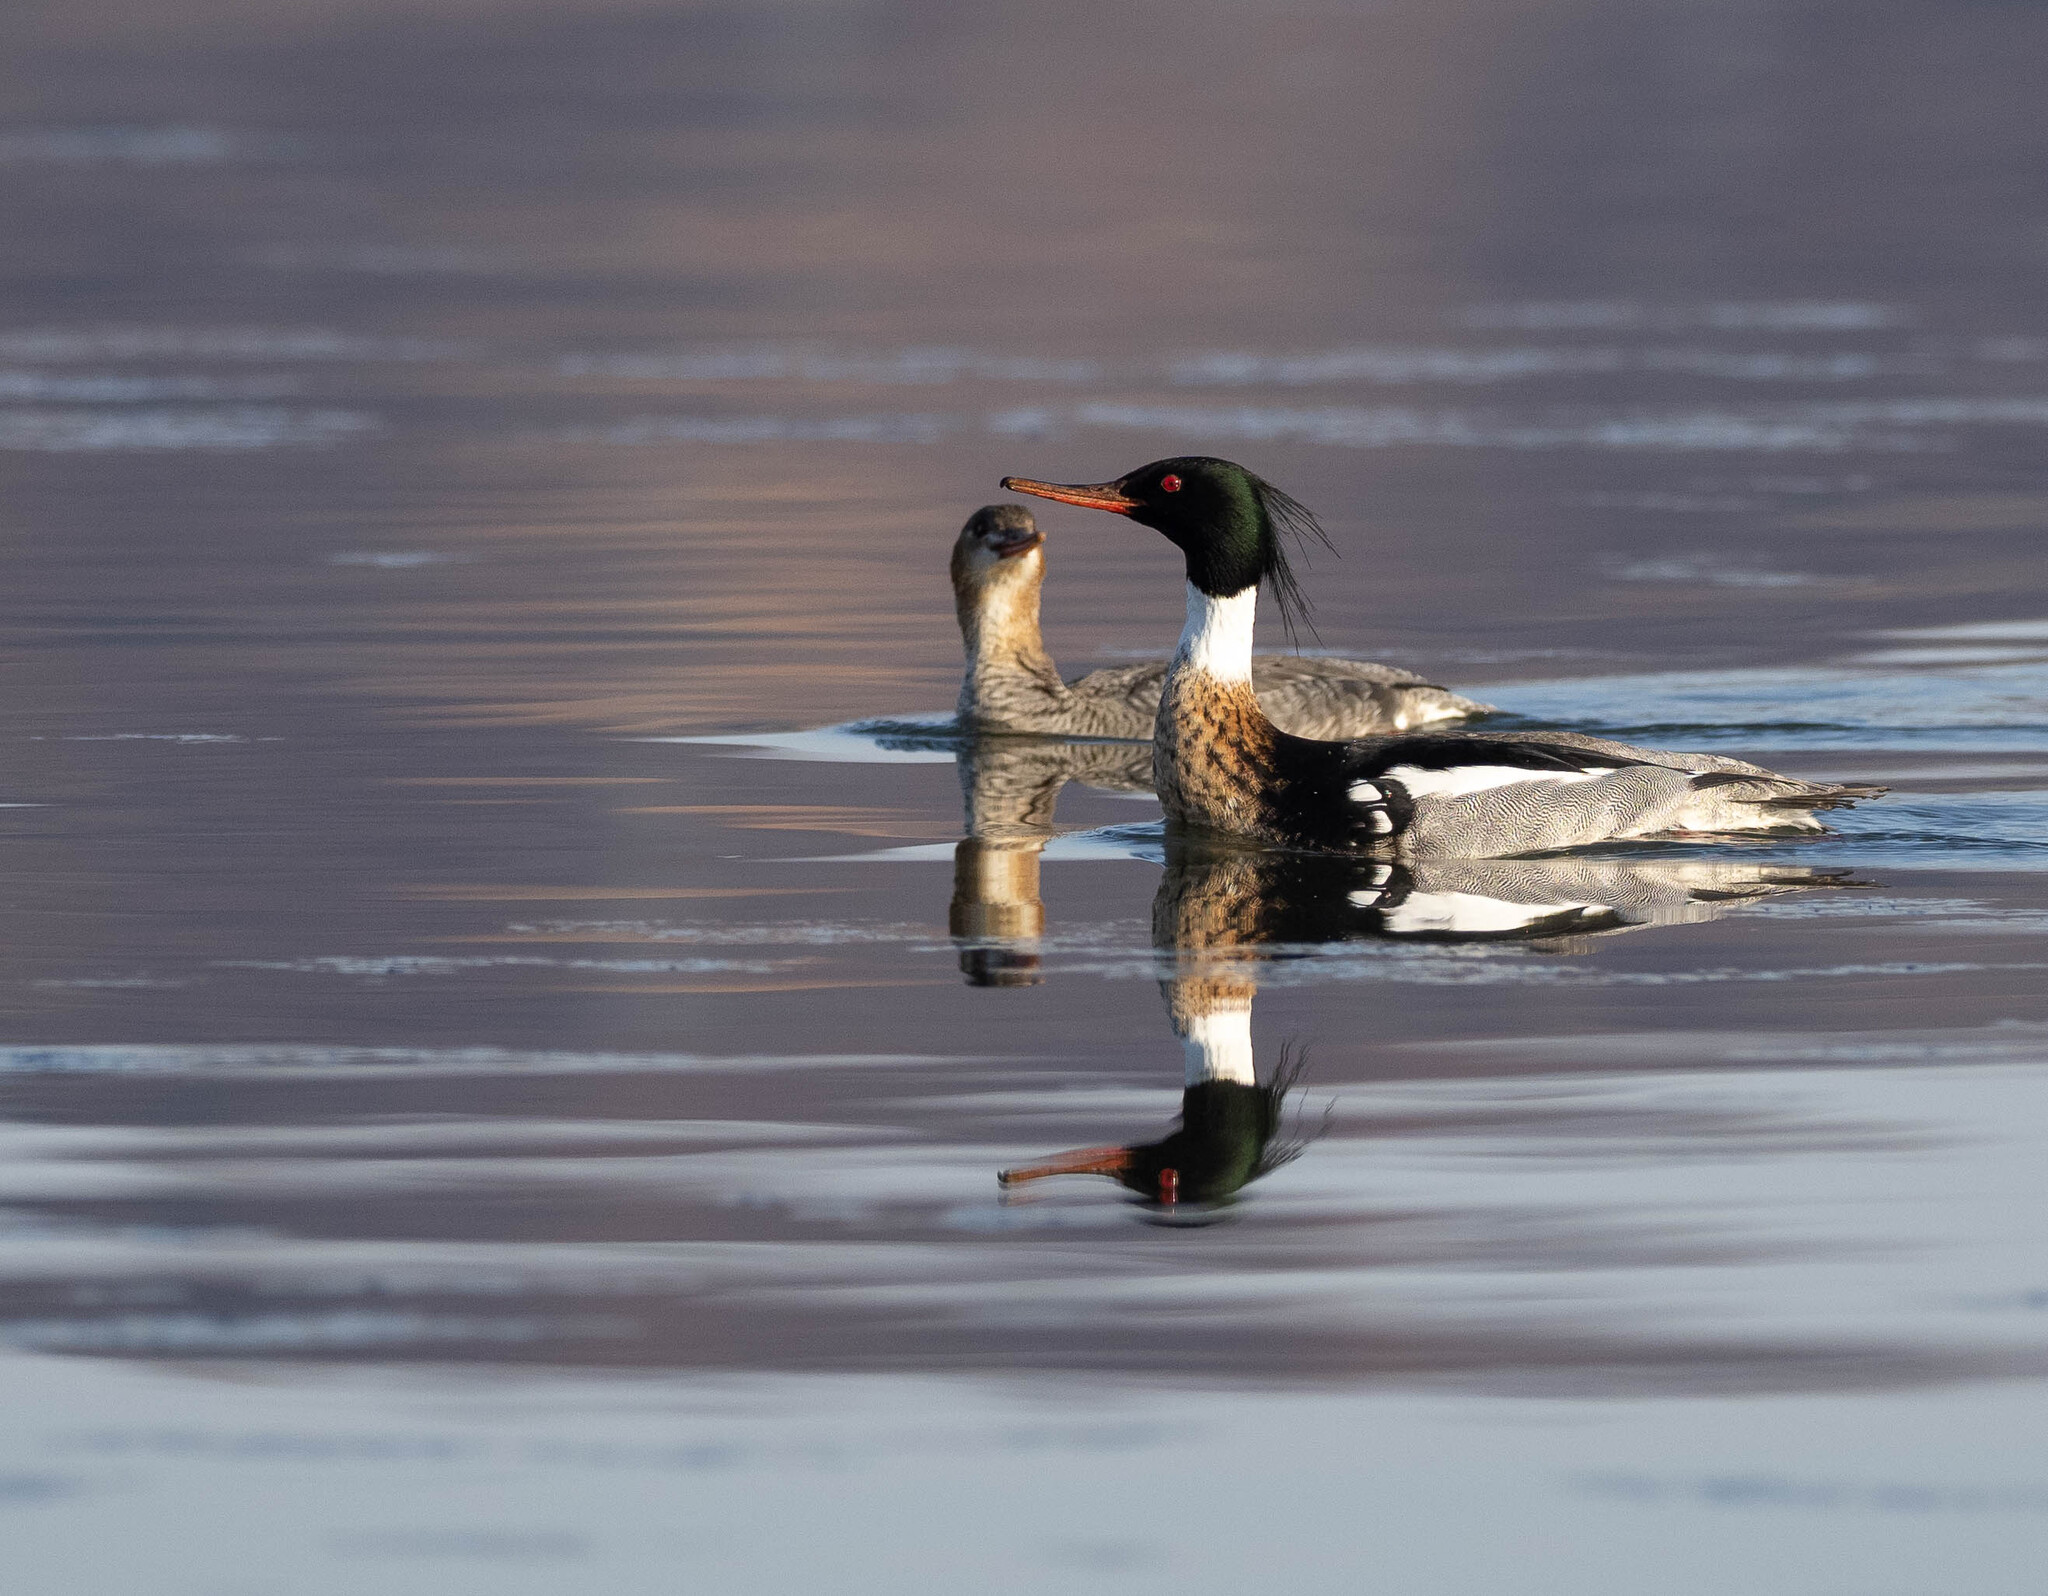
column 493, row 1100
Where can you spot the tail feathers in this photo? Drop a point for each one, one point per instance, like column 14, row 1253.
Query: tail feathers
column 1833, row 796
column 1785, row 792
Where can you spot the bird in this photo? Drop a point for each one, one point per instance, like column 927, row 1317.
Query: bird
column 1012, row 684
column 1220, row 764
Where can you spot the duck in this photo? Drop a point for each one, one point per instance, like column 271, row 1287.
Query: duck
column 1220, row 764
column 1013, row 686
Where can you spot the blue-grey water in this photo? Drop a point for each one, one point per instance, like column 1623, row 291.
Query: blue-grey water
column 514, row 1004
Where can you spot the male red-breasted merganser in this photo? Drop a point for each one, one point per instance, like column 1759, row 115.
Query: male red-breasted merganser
column 1012, row 684
column 1220, row 764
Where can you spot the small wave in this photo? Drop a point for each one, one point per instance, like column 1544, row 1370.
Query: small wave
column 153, row 737
column 1403, row 366
column 1979, row 631
column 86, row 431
column 1400, row 426
column 1673, row 503
column 396, row 559
column 1706, row 570
column 878, row 742
column 1792, row 315
column 1390, row 366
column 1971, row 654
column 115, row 983
column 218, row 343
column 1987, row 706
column 140, row 146
column 1877, row 426
column 114, row 389
column 316, row 1061
column 381, row 967
column 1777, row 366
column 279, row 1332
column 899, row 367
column 1144, row 841
column 1895, row 425
column 780, row 933
column 767, row 429
column 1510, row 966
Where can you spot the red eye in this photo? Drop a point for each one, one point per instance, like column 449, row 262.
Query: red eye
column 1169, row 484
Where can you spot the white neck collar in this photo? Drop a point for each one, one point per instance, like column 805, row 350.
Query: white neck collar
column 1217, row 640
column 1217, row 1046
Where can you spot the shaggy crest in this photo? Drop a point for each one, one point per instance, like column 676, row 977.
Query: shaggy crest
column 1294, row 524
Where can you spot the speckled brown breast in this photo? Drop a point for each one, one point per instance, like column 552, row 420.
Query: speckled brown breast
column 1215, row 900
column 1209, row 913
column 1213, row 756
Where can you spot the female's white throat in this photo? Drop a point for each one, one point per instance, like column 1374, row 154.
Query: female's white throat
column 1217, row 640
column 1001, row 616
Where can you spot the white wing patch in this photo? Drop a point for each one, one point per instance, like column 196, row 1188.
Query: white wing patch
column 1377, row 821
column 1366, row 897
column 1469, row 913
column 1462, row 779
column 1427, row 715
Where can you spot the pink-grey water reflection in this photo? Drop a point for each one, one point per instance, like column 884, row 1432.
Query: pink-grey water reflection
column 488, row 1101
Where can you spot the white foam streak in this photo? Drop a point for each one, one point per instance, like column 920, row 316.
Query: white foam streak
column 1464, row 779
column 1794, row 315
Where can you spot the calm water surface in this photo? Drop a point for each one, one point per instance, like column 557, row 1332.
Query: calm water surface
column 514, row 1003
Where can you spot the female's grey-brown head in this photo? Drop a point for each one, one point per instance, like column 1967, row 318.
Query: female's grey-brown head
column 997, row 571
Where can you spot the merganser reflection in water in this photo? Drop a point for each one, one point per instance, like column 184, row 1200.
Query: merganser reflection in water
column 1230, row 1121
column 1228, row 1135
column 1009, row 787
column 1012, row 685
column 1221, row 765
column 1221, row 908
column 1552, row 905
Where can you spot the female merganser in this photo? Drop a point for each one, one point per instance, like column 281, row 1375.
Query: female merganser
column 1220, row 764
column 1012, row 684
